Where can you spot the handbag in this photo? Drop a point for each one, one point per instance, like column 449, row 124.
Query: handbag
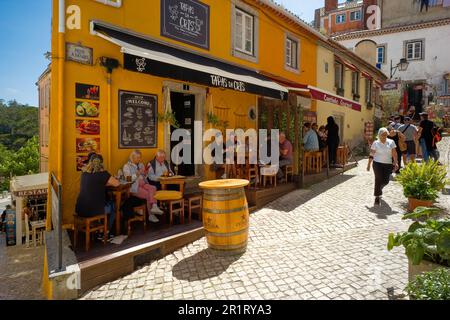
column 401, row 140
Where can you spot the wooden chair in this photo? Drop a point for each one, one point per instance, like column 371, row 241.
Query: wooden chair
column 252, row 175
column 192, row 202
column 269, row 173
column 313, row 162
column 289, row 171
column 176, row 207
column 90, row 225
column 140, row 216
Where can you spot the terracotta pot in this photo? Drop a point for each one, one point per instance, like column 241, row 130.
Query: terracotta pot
column 424, row 266
column 414, row 203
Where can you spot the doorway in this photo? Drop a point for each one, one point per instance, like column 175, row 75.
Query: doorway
column 339, row 119
column 415, row 97
column 183, row 105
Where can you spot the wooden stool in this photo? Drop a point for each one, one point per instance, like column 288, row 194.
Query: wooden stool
column 174, row 201
column 84, row 224
column 192, row 202
column 289, row 170
column 140, row 216
column 252, row 173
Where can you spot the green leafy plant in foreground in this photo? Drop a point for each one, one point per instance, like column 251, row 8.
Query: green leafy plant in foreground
column 169, row 117
column 424, row 181
column 434, row 285
column 429, row 239
column 421, row 212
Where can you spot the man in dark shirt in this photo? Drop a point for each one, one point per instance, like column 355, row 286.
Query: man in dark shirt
column 426, row 137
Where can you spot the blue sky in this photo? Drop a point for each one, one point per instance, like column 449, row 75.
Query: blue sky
column 25, row 36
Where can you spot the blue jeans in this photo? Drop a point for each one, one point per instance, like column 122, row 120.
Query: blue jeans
column 423, row 147
column 110, row 210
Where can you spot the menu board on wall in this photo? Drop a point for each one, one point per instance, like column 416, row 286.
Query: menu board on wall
column 10, row 220
column 86, row 145
column 138, row 122
column 186, row 21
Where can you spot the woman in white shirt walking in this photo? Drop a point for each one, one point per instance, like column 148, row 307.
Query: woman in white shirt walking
column 383, row 154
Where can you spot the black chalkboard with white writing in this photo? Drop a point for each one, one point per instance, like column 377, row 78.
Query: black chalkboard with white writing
column 186, row 21
column 138, row 120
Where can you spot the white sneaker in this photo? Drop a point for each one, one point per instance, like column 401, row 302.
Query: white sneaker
column 152, row 218
column 157, row 210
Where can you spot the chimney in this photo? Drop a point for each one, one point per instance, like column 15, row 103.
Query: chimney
column 317, row 19
column 331, row 5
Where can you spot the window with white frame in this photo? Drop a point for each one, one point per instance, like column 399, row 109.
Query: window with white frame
column 368, row 90
column 355, row 15
column 381, row 54
column 292, row 53
column 338, row 75
column 414, row 50
column 244, row 32
column 340, row 18
column 355, row 83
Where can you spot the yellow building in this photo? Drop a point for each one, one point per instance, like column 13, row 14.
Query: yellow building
column 44, row 85
column 119, row 66
column 154, row 59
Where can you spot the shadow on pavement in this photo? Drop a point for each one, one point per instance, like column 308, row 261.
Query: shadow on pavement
column 311, row 192
column 382, row 211
column 203, row 265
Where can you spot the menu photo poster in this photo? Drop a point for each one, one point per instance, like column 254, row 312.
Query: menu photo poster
column 87, row 109
column 81, row 161
column 86, row 145
column 138, row 120
column 87, row 91
column 87, row 127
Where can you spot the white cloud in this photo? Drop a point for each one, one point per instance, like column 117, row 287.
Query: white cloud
column 12, row 90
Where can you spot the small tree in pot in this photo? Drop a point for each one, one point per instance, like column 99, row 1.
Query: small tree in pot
column 422, row 183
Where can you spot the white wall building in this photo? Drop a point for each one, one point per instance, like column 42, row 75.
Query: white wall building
column 426, row 46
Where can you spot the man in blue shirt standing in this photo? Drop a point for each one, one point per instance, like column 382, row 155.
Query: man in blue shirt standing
column 310, row 138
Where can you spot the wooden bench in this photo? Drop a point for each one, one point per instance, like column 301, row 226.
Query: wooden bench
column 89, row 225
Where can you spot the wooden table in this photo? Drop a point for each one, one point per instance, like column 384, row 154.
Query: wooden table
column 175, row 180
column 120, row 193
column 35, row 225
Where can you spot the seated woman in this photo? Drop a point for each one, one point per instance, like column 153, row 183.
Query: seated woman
column 91, row 200
column 135, row 169
column 157, row 168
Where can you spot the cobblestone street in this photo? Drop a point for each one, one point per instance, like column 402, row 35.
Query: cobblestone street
column 328, row 242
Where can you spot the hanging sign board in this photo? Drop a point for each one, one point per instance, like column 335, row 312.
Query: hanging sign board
column 138, row 120
column 186, row 21
column 10, row 221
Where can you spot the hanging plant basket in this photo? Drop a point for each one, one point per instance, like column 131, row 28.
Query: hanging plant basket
column 169, row 117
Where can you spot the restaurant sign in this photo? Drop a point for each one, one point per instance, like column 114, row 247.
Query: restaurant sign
column 390, row 85
column 322, row 96
column 30, row 193
column 186, row 21
column 168, row 70
column 77, row 53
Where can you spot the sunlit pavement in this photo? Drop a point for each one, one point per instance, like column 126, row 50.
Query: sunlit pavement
column 328, row 242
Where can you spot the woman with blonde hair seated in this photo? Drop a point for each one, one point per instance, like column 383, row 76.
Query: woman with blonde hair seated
column 135, row 169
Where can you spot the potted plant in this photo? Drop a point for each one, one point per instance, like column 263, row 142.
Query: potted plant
column 422, row 183
column 427, row 243
column 433, row 285
column 169, row 117
column 216, row 122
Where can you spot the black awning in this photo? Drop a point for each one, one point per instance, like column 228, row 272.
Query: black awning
column 146, row 56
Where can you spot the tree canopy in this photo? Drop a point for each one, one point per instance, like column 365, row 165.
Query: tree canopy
column 19, row 142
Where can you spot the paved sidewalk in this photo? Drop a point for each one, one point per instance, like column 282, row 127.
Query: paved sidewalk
column 328, row 242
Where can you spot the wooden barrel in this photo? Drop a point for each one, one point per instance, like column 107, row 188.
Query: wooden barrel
column 225, row 215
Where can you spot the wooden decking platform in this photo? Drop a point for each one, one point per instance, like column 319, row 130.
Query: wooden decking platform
column 105, row 263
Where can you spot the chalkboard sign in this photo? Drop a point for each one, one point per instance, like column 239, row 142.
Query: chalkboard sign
column 186, row 21
column 10, row 220
column 138, row 123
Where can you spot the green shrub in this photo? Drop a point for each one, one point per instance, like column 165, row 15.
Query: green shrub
column 422, row 182
column 433, row 285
